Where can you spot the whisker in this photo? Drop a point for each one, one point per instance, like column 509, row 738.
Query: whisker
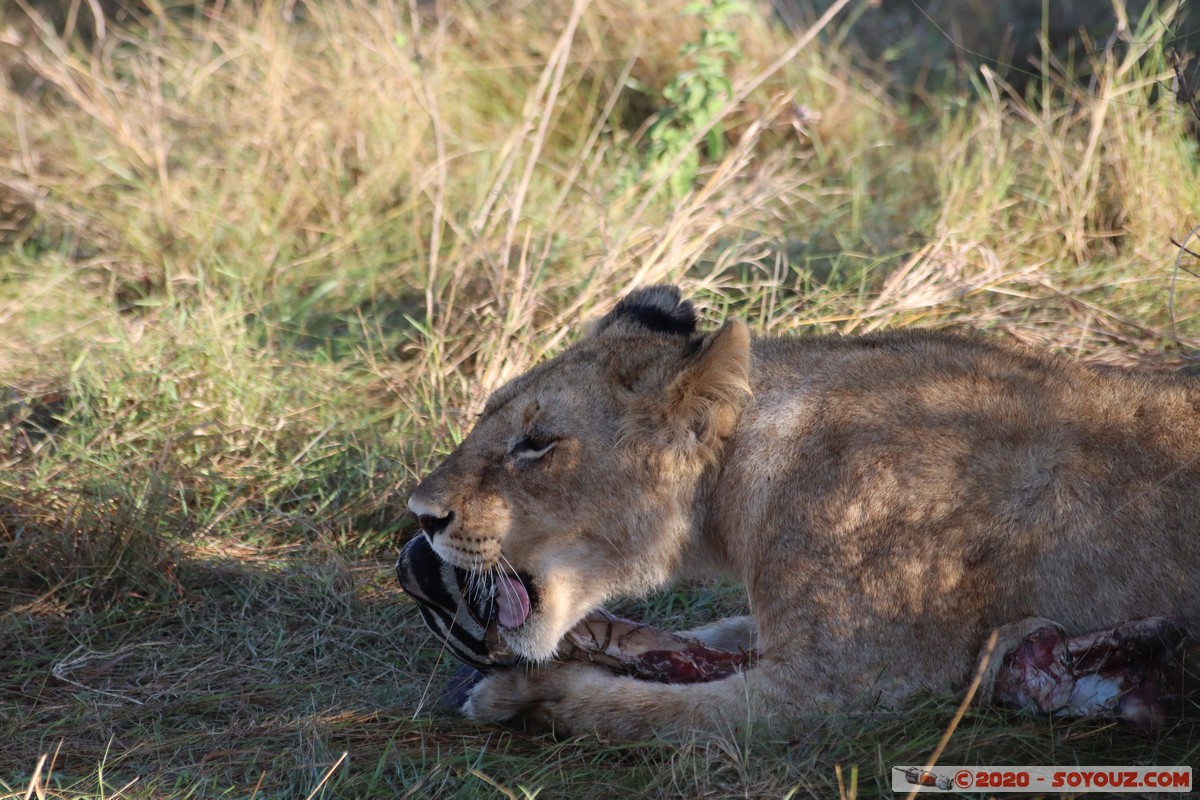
column 513, row 570
column 506, row 586
column 445, row 647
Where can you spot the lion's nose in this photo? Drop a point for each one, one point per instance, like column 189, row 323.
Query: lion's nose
column 433, row 525
column 432, row 518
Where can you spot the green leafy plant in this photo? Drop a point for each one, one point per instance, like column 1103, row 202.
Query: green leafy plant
column 696, row 96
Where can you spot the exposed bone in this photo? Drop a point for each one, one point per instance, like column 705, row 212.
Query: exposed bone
column 1130, row 672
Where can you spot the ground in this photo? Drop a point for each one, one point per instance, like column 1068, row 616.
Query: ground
column 260, row 265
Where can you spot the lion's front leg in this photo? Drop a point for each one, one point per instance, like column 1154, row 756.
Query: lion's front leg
column 572, row 698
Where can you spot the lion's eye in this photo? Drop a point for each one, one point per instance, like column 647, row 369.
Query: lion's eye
column 532, row 448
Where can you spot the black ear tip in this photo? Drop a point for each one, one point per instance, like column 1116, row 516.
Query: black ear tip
column 661, row 295
column 658, row 308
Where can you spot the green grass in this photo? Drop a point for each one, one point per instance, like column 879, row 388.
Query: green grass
column 257, row 275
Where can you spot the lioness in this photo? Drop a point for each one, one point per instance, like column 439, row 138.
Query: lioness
column 888, row 500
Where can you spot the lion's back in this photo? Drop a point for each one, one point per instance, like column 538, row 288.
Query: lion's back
column 924, row 475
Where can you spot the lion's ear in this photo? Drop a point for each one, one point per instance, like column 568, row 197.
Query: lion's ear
column 657, row 309
column 704, row 399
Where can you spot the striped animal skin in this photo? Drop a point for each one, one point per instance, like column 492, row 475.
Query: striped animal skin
column 457, row 607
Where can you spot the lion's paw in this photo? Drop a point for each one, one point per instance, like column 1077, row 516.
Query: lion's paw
column 533, row 698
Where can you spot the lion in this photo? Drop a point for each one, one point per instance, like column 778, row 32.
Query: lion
column 888, row 501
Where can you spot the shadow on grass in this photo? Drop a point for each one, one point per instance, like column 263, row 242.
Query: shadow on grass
column 266, row 667
column 253, row 682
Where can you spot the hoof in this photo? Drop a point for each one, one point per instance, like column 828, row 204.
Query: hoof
column 458, row 688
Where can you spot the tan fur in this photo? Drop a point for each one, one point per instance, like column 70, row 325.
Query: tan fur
column 888, row 500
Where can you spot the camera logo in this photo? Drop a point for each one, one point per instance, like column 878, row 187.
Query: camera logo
column 923, row 777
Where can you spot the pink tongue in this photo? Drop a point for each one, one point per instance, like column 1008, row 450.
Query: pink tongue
column 512, row 602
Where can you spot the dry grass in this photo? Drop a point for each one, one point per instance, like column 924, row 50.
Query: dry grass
column 257, row 272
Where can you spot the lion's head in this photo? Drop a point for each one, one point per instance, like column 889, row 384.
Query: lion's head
column 578, row 482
